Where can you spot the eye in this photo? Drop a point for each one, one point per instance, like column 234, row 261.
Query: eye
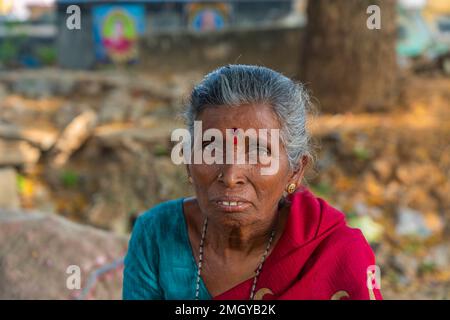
column 213, row 148
column 256, row 153
column 206, row 144
column 263, row 151
column 210, row 144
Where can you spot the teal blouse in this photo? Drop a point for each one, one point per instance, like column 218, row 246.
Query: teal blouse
column 159, row 264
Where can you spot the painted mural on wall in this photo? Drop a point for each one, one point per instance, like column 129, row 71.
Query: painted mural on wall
column 116, row 32
column 208, row 16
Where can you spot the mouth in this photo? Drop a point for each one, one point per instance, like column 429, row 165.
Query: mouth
column 231, row 204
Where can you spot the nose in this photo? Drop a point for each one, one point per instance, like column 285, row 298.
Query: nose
column 232, row 175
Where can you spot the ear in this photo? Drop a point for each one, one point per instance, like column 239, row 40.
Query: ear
column 297, row 175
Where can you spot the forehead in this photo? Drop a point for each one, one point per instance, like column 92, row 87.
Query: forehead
column 249, row 116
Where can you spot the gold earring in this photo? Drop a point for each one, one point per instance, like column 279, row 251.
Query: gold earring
column 291, row 188
column 190, row 179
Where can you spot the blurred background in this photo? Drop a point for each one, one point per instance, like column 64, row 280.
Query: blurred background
column 86, row 116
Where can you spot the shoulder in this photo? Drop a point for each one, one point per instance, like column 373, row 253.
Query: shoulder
column 350, row 243
column 164, row 213
column 327, row 224
column 163, row 219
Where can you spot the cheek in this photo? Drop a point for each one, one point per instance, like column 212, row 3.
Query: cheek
column 203, row 174
column 272, row 186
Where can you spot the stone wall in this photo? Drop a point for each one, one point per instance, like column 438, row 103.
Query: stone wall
column 277, row 48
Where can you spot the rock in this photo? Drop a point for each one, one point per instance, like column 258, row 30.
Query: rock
column 74, row 136
column 115, row 106
column 13, row 110
column 66, row 113
column 33, row 87
column 64, row 86
column 92, row 88
column 44, row 139
column 411, row 223
column 42, row 199
column 137, row 110
column 125, row 186
column 18, row 153
column 172, row 179
column 37, row 250
column 115, row 136
column 38, row 85
column 9, row 195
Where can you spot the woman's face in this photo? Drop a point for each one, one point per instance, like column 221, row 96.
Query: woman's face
column 255, row 194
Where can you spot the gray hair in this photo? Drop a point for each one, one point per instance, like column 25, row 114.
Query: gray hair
column 235, row 85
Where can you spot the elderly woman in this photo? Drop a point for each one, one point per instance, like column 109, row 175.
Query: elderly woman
column 248, row 235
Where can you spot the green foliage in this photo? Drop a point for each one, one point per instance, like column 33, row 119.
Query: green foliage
column 361, row 153
column 20, row 183
column 46, row 54
column 160, row 150
column 427, row 267
column 322, row 189
column 69, row 178
column 9, row 51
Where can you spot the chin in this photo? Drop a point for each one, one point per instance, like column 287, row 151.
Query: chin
column 233, row 219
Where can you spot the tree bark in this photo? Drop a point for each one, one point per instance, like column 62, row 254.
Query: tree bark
column 347, row 66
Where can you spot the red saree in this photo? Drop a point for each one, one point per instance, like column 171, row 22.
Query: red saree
column 318, row 257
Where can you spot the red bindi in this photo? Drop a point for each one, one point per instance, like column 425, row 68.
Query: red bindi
column 235, row 140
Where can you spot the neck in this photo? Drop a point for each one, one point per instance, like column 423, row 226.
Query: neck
column 242, row 241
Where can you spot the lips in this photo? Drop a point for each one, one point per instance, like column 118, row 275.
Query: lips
column 231, row 204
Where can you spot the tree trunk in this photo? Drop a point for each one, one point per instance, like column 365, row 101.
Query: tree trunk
column 347, row 66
